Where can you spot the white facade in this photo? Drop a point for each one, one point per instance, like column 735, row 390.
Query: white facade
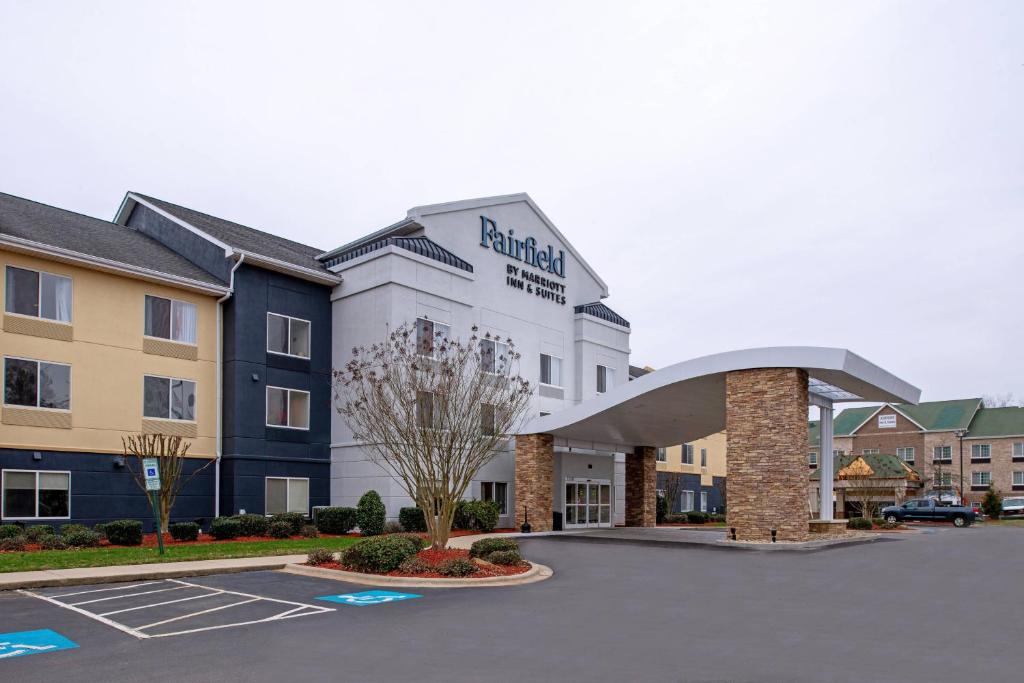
column 533, row 304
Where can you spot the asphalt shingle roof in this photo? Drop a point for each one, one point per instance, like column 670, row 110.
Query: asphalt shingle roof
column 244, row 238
column 998, row 422
column 942, row 415
column 49, row 225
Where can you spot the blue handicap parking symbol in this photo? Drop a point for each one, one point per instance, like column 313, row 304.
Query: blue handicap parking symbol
column 32, row 643
column 368, row 597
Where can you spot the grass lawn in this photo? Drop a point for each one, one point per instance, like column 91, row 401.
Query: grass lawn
column 111, row 555
column 1013, row 521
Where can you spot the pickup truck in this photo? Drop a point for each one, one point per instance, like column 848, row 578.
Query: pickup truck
column 925, row 509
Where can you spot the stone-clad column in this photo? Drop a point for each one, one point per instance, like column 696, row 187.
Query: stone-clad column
column 535, row 486
column 641, row 483
column 766, row 466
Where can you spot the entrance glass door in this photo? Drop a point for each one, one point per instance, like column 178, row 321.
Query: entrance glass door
column 588, row 503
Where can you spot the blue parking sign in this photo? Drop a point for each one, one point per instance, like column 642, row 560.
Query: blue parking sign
column 23, row 643
column 368, row 598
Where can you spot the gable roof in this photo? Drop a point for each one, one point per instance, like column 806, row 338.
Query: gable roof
column 30, row 226
column 876, row 466
column 938, row 416
column 850, row 419
column 996, row 422
column 236, row 237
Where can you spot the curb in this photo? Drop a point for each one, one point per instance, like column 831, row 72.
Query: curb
column 537, row 572
column 726, row 545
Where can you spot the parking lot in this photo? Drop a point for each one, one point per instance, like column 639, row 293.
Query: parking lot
column 940, row 604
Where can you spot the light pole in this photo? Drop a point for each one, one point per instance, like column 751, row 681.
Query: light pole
column 960, row 434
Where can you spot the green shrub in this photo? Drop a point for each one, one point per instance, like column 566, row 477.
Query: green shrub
column 891, row 525
column 253, row 525
column 505, row 557
column 224, row 528
column 52, row 542
column 295, row 520
column 101, row 529
column 370, row 514
column 486, row 546
column 476, row 515
column 36, row 533
column 660, row 509
column 675, row 518
column 309, row 531
column 13, row 542
column 457, row 567
column 380, row 554
column 414, row 565
column 412, row 519
column 696, row 517
column 81, row 538
column 878, row 521
column 718, row 519
column 11, row 531
column 124, row 532
column 280, row 529
column 392, row 527
column 860, row 523
column 184, row 531
column 415, row 539
column 335, row 520
column 318, row 556
column 992, row 503
column 71, row 528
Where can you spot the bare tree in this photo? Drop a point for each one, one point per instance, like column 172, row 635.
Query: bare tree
column 673, row 483
column 171, row 453
column 431, row 411
column 1000, row 401
column 859, row 490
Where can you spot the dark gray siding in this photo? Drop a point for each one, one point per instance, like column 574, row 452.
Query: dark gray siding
column 199, row 251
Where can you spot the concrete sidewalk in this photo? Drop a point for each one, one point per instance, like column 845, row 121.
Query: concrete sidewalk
column 136, row 572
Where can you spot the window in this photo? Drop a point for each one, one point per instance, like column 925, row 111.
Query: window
column 287, row 336
column 1018, row 478
column 29, row 494
column 493, row 356
column 688, row 454
column 605, row 378
column 496, row 491
column 838, row 452
column 703, row 501
column 40, row 295
column 981, row 478
column 906, row 454
column 943, row 454
column 981, row 451
column 870, row 451
column 287, row 408
column 686, row 501
column 487, row 426
column 812, row 459
column 287, row 494
column 1018, row 450
column 550, row 370
column 426, row 415
column 170, row 319
column 887, row 421
column 429, row 336
column 168, row 398
column 943, row 479
column 37, row 384
column 661, row 455
column 703, row 457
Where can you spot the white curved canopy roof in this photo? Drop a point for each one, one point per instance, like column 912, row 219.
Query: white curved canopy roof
column 686, row 401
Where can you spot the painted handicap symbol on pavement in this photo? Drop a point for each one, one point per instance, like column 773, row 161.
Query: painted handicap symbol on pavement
column 368, row 598
column 32, row 643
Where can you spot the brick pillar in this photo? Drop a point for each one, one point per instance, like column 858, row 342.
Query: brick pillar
column 535, row 474
column 641, row 487
column 766, row 467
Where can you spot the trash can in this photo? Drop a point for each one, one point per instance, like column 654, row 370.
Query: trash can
column 556, row 522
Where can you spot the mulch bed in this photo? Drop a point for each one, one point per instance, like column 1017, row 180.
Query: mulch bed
column 435, row 558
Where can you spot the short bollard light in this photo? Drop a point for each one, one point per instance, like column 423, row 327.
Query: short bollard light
column 773, row 535
column 732, row 530
column 526, row 528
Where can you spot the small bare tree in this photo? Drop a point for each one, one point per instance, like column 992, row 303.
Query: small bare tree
column 171, row 453
column 431, row 410
column 859, row 489
column 673, row 484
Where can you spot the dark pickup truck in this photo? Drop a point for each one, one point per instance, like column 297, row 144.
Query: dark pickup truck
column 925, row 509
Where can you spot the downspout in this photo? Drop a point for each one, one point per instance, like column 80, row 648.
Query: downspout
column 220, row 384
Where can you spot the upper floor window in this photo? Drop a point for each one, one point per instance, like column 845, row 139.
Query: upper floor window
column 942, row 454
column 428, row 413
column 493, row 355
column 943, row 479
column 170, row 319
column 870, row 451
column 32, row 494
column 812, row 459
column 687, row 453
column 981, row 451
column 287, row 336
column 837, row 452
column 1018, row 478
column 550, row 370
column 981, row 478
column 1018, row 450
column 38, row 294
column 169, row 398
column 661, row 455
column 430, row 335
column 605, row 378
column 487, row 419
column 37, row 384
column 287, row 408
column 703, row 457
column 906, row 454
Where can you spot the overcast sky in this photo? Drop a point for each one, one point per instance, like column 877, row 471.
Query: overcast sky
column 827, row 173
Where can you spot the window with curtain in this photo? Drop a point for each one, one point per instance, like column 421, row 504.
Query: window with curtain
column 38, row 294
column 30, row 494
column 287, row 336
column 168, row 398
column 493, row 355
column 429, row 336
column 170, row 319
column 287, row 494
column 550, row 370
column 605, row 378
column 287, row 408
column 37, row 384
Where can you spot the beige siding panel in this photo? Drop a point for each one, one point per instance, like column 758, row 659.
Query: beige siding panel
column 35, row 417
column 37, row 327
column 162, row 347
column 170, row 428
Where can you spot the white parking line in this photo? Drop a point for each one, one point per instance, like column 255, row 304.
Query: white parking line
column 125, row 595
column 196, row 614
column 91, row 615
column 102, row 590
column 166, row 602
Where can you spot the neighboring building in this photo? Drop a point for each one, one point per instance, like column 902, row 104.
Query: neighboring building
column 866, row 482
column 699, row 468
column 105, row 333
column 925, row 437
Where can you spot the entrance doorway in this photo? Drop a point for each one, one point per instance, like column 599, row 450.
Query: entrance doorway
column 588, row 503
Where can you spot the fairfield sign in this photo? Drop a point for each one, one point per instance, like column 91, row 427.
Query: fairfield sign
column 521, row 250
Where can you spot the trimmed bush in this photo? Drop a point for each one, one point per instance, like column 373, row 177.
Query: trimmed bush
column 101, row 529
column 81, row 538
column 12, row 542
column 309, row 531
column 719, row 519
column 370, row 514
column 412, row 519
column 476, row 515
column 891, row 525
column 380, row 554
column 697, row 517
column 184, row 531
column 335, row 520
column 295, row 520
column 11, row 531
column 36, row 533
column 457, row 567
column 71, row 528
column 505, row 557
column 51, row 542
column 992, row 503
column 224, row 528
column 253, row 525
column 676, row 518
column 414, row 565
column 860, row 523
column 392, row 527
column 318, row 556
column 415, row 539
column 878, row 521
column 124, row 532
column 660, row 509
column 280, row 529
column 486, row 546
